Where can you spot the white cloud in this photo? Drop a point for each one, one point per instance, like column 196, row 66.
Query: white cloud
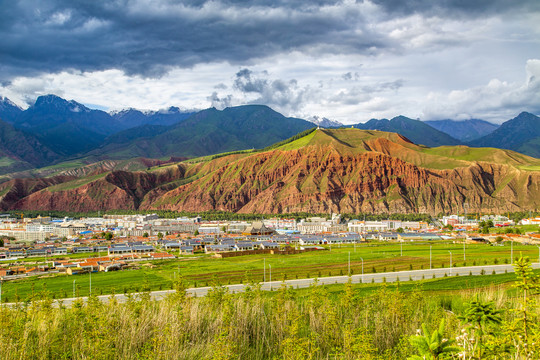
column 497, row 100
column 366, row 63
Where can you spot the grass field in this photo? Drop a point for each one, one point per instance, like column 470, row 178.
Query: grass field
column 205, row 270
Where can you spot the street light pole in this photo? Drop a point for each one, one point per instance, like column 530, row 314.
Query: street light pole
column 270, row 268
column 349, row 272
column 511, row 252
column 362, row 270
column 429, row 257
column 450, row 262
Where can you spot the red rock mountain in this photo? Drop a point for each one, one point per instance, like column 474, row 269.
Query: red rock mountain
column 343, row 170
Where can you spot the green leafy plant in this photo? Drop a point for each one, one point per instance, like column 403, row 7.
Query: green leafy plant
column 432, row 346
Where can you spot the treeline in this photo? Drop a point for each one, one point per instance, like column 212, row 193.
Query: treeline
column 223, row 215
column 388, row 324
column 290, row 140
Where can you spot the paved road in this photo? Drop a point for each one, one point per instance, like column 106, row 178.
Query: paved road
column 304, row 283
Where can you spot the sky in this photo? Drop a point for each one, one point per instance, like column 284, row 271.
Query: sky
column 348, row 60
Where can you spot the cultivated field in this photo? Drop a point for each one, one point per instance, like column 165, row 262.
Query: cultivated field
column 203, row 270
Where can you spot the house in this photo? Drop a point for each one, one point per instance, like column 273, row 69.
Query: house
column 12, row 252
column 111, row 266
column 81, row 249
column 310, row 240
column 36, row 252
column 141, row 249
column 172, row 246
column 418, row 237
column 218, row 248
column 258, row 228
column 6, row 272
column 118, row 250
column 388, row 236
column 268, row 245
column 59, row 251
column 244, row 245
column 76, row 271
column 187, row 249
column 89, row 265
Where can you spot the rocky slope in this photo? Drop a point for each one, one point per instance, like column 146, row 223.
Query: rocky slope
column 344, row 170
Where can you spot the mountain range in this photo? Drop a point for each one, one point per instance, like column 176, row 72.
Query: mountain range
column 62, row 133
column 521, row 134
column 321, row 170
column 464, row 130
column 415, row 130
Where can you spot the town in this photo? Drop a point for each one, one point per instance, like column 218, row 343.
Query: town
column 114, row 242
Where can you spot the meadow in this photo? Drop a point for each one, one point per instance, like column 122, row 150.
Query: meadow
column 205, row 270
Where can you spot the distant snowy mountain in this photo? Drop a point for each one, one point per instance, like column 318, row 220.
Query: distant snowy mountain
column 8, row 110
column 324, row 122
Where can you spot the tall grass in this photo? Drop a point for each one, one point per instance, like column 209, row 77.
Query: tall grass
column 251, row 325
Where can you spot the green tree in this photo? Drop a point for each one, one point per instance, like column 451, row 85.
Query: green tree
column 109, row 236
column 528, row 283
column 160, row 235
column 432, row 347
column 399, row 230
column 482, row 318
column 145, row 235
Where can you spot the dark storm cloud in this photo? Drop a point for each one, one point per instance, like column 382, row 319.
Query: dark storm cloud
column 465, row 8
column 278, row 93
column 150, row 37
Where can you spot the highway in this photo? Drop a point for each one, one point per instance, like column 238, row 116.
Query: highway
column 304, row 283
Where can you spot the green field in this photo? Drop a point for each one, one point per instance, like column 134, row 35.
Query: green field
column 204, row 270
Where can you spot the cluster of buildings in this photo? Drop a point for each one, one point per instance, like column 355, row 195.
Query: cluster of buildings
column 146, row 234
column 464, row 222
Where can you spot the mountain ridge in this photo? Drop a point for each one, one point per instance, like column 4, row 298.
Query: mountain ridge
column 417, row 131
column 340, row 170
column 464, row 130
column 521, row 133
